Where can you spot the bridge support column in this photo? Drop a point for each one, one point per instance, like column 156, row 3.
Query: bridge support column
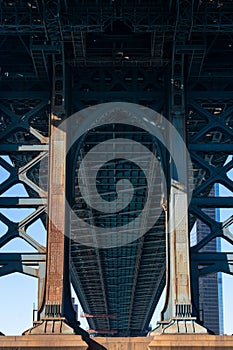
column 177, row 313
column 56, row 314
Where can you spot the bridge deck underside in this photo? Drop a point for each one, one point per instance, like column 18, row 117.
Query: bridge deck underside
column 124, row 282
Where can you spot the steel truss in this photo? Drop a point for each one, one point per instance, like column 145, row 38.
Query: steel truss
column 200, row 91
column 30, row 17
column 24, row 138
column 214, row 119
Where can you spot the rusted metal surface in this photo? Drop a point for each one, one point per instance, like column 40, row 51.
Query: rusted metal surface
column 54, row 293
column 56, row 216
column 178, row 298
column 51, row 307
column 177, row 312
column 51, row 296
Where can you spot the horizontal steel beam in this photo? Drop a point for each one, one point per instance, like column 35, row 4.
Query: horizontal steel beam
column 213, row 202
column 47, row 48
column 13, row 29
column 211, row 147
column 211, row 258
column 7, row 148
column 116, row 94
column 187, row 49
column 213, row 262
column 221, row 75
column 25, row 94
column 25, row 258
column 15, row 202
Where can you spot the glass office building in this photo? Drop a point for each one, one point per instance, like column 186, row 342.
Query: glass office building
column 210, row 286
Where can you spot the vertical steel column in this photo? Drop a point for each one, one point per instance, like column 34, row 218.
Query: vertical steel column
column 53, row 304
column 177, row 313
column 56, row 200
column 53, row 315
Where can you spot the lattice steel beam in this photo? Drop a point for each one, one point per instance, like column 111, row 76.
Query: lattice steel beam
column 96, row 19
column 177, row 312
column 210, row 145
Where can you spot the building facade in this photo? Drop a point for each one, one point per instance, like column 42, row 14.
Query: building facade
column 210, row 286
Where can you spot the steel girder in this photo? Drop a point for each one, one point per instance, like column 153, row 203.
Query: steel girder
column 30, row 17
column 56, row 312
column 87, row 23
column 214, row 262
column 210, row 144
column 15, row 262
column 205, row 96
column 177, row 312
column 98, row 85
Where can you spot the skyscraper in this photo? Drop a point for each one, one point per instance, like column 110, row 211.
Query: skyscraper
column 210, row 286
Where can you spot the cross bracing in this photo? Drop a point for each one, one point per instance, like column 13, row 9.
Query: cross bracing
column 116, row 51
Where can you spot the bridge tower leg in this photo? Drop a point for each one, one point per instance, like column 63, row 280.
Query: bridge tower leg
column 56, row 314
column 177, row 313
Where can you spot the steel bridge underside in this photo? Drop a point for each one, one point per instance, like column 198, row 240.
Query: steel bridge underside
column 124, row 281
column 115, row 52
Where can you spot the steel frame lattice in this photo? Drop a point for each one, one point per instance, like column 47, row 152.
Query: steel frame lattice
column 100, row 65
column 21, row 138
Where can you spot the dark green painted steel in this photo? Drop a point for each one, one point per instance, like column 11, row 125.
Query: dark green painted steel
column 117, row 51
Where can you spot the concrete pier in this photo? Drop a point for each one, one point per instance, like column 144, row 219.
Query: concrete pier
column 158, row 342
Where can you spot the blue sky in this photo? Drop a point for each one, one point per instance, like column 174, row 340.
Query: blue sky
column 19, row 292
